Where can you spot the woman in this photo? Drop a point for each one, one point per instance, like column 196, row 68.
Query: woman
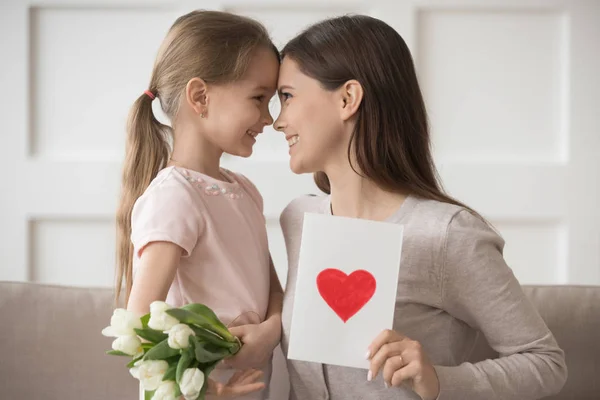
column 353, row 114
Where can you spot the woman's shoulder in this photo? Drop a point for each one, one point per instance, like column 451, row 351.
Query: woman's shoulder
column 452, row 225
column 293, row 213
column 430, row 209
column 427, row 212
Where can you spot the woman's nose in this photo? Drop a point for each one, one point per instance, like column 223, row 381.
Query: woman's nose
column 278, row 125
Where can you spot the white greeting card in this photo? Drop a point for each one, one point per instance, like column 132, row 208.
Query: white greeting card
column 345, row 290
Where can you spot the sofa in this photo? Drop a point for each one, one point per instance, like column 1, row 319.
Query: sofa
column 51, row 346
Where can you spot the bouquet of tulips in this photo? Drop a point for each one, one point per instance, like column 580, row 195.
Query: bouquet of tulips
column 172, row 350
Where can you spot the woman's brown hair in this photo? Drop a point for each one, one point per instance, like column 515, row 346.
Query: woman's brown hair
column 391, row 141
column 212, row 45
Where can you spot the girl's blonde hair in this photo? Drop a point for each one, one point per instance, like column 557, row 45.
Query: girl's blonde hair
column 214, row 46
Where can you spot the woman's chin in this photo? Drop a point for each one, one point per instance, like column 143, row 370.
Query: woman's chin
column 296, row 167
column 300, row 168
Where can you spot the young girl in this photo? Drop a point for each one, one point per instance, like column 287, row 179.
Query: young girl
column 352, row 109
column 188, row 230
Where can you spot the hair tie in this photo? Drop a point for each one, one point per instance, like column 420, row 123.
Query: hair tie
column 150, row 94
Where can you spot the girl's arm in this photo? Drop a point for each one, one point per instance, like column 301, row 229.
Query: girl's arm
column 260, row 339
column 158, row 264
column 153, row 278
column 275, row 297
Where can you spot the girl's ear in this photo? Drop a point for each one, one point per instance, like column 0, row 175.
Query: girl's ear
column 196, row 95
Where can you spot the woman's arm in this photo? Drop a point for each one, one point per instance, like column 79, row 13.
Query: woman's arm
column 481, row 290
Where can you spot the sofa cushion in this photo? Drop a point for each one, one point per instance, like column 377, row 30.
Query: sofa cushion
column 52, row 347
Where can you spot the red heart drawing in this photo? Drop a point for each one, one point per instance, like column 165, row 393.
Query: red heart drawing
column 346, row 294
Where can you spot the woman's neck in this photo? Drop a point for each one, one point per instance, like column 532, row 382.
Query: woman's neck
column 357, row 197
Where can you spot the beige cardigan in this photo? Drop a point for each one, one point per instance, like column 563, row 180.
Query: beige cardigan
column 453, row 283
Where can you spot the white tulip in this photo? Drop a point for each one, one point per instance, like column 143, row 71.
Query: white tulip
column 122, row 323
column 135, row 371
column 165, row 391
column 159, row 319
column 129, row 344
column 179, row 336
column 191, row 383
column 150, row 373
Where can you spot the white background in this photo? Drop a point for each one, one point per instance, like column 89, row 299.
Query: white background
column 511, row 88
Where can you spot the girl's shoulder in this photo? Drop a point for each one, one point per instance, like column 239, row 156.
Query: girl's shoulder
column 169, row 182
column 169, row 190
column 247, row 185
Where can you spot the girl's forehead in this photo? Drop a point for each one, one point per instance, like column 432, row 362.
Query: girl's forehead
column 263, row 71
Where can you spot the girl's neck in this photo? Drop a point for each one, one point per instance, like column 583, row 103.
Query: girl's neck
column 192, row 151
column 357, row 197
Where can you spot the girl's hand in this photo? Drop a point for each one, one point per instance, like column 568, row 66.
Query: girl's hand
column 241, row 383
column 258, row 340
column 403, row 361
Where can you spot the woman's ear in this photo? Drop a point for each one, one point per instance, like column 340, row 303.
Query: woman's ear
column 351, row 96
